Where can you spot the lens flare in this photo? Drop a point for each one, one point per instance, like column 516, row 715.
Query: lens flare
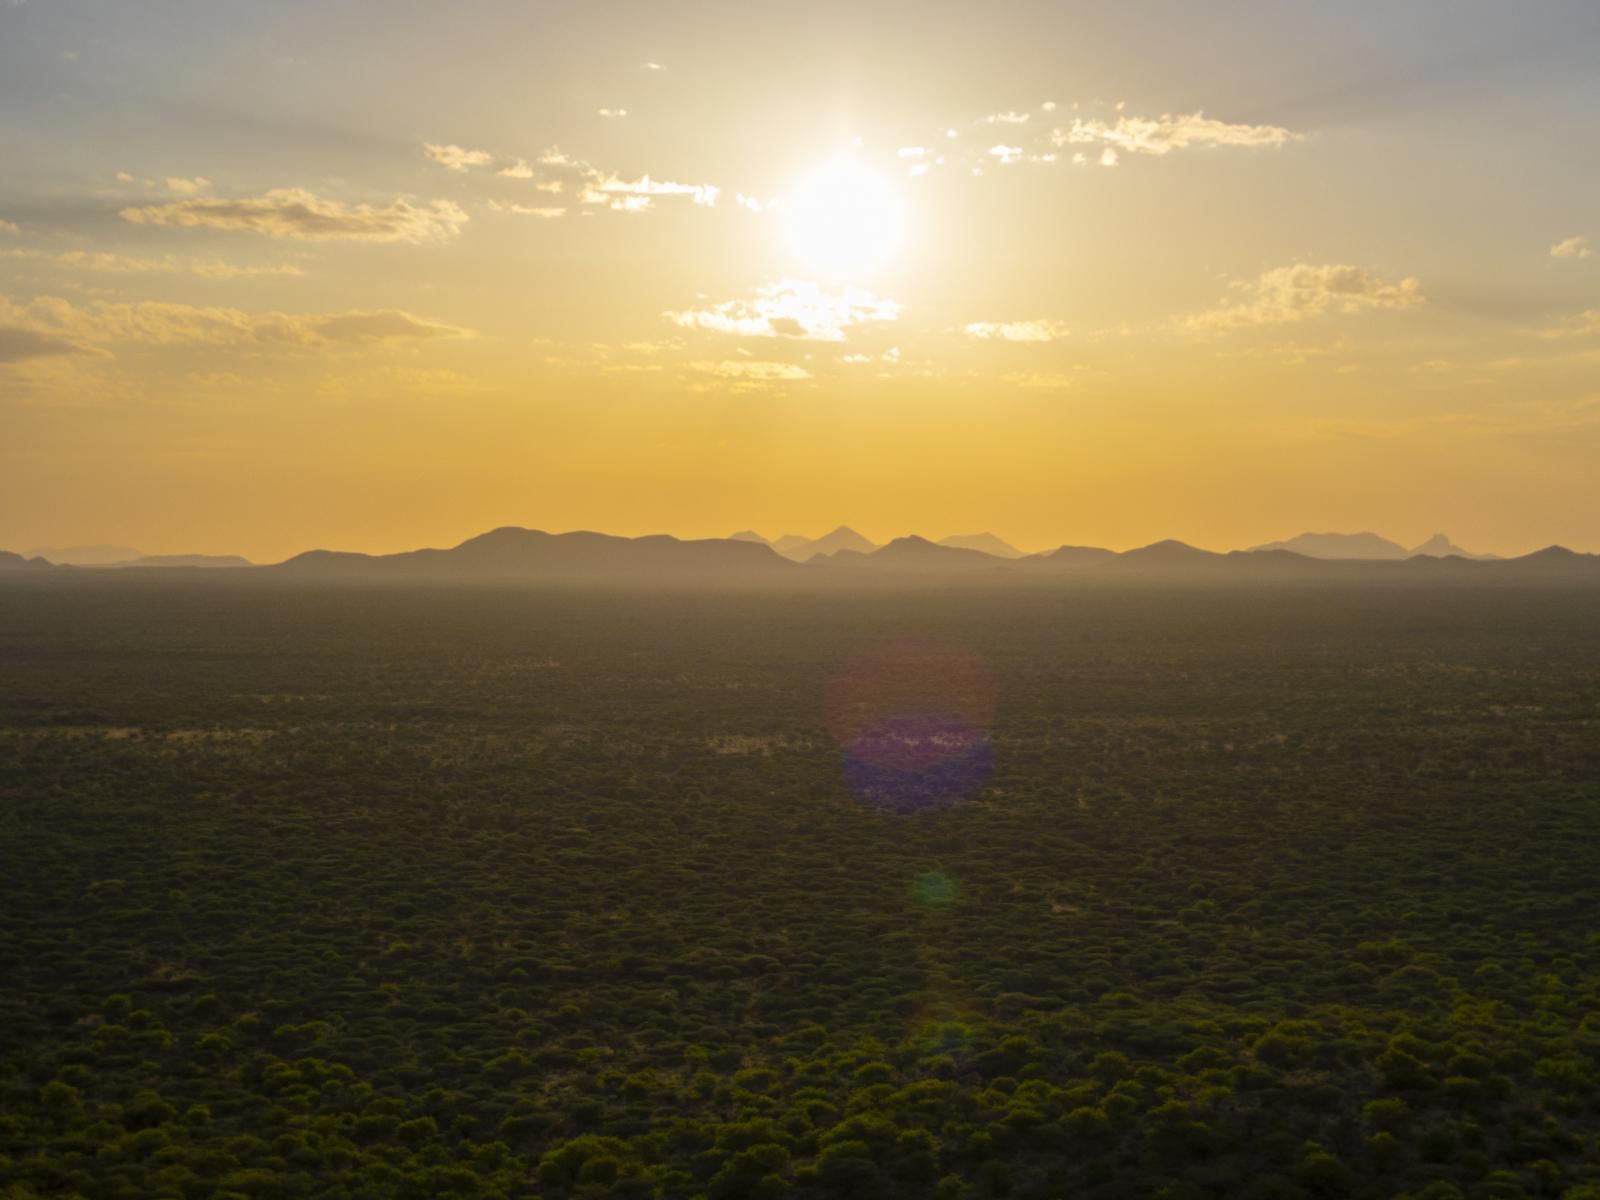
column 913, row 720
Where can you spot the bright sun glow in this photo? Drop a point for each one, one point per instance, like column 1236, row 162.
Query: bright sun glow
column 844, row 220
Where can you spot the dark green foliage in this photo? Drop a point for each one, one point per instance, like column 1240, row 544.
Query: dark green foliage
column 373, row 893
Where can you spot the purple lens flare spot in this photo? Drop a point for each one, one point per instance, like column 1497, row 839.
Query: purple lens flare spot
column 918, row 762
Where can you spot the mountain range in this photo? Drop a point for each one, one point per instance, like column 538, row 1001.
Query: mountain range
column 804, row 549
column 512, row 554
column 1368, row 546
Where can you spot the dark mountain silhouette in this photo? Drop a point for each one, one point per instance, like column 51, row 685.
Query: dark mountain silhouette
column 1340, row 545
column 1551, row 558
column 87, row 556
column 526, row 555
column 986, row 543
column 1167, row 553
column 1071, row 556
column 10, row 561
column 531, row 554
column 802, row 549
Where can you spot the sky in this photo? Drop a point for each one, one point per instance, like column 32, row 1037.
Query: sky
column 375, row 275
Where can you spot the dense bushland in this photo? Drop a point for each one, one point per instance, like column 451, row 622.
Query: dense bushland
column 503, row 893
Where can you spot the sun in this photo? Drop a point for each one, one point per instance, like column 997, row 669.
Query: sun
column 844, row 220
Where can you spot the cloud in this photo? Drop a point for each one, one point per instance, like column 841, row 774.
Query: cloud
column 187, row 187
column 1017, row 331
column 1006, row 154
column 296, row 213
column 1164, row 134
column 19, row 344
column 456, row 158
column 8, row 226
column 613, row 113
column 1585, row 324
column 1573, row 247
column 625, row 195
column 1007, row 118
column 791, row 309
column 122, row 264
column 1303, row 291
column 517, row 170
column 524, row 210
column 1040, row 381
column 756, row 372
column 652, row 66
column 383, row 325
column 162, row 324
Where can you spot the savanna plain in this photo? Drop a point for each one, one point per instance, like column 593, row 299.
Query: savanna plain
column 473, row 892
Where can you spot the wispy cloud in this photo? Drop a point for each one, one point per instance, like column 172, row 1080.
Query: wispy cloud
column 1573, row 247
column 1046, row 381
column 456, row 158
column 1585, row 324
column 639, row 195
column 613, row 113
column 296, row 213
column 1166, row 133
column 1304, row 291
column 123, row 264
column 791, row 309
column 1017, row 331
column 164, row 324
column 8, row 226
column 751, row 371
column 524, row 210
column 20, row 344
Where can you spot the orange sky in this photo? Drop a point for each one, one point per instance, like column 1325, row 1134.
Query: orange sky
column 294, row 276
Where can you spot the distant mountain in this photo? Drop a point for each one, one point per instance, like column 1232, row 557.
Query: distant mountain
column 1439, row 546
column 1071, row 556
column 747, row 535
column 87, row 556
column 15, row 562
column 512, row 554
column 207, row 561
column 1169, row 552
column 918, row 553
column 802, row 549
column 1367, row 546
column 788, row 543
column 985, row 543
column 1340, row 545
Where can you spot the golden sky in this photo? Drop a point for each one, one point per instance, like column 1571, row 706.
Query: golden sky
column 377, row 275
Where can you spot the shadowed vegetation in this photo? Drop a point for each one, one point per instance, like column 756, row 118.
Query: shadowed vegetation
column 310, row 892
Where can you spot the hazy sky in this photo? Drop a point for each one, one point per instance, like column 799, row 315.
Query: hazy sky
column 374, row 274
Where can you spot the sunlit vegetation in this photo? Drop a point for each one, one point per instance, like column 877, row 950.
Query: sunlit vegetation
column 469, row 893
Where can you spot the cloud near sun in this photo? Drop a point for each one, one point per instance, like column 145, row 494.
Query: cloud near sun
column 791, row 309
column 297, row 213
